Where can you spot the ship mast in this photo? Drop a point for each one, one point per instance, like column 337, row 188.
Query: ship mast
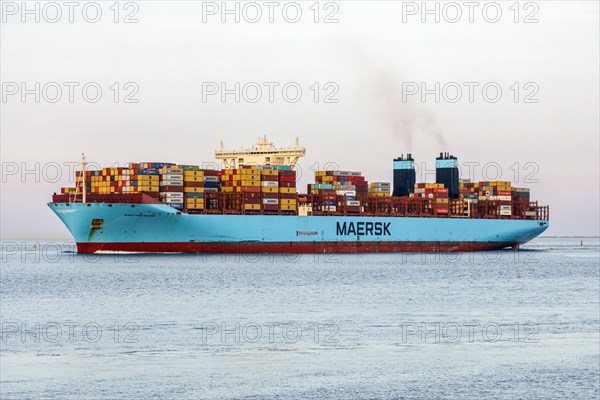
column 83, row 164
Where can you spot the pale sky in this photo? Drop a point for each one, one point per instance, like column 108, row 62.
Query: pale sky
column 371, row 55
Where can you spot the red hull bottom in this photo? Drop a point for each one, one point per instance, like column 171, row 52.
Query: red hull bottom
column 294, row 247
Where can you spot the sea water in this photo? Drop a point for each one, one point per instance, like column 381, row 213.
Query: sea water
column 506, row 324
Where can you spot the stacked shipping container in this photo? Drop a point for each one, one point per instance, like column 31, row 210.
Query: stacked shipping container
column 120, row 180
column 349, row 185
column 171, row 186
column 339, row 180
column 182, row 187
column 272, row 189
column 288, row 196
column 196, row 183
column 436, row 191
column 500, row 191
column 262, row 188
column 380, row 189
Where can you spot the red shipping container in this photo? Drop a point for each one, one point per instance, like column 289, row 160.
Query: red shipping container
column 250, row 189
column 355, row 179
column 287, row 184
column 504, row 193
column 287, row 178
column 440, row 190
column 270, row 195
column 193, row 184
column 270, row 207
column 439, row 210
column 287, row 173
column 171, row 188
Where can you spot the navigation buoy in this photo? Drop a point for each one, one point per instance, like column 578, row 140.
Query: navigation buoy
column 581, row 244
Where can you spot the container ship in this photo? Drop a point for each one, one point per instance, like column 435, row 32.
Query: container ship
column 252, row 205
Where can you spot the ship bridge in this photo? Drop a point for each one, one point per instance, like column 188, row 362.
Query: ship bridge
column 262, row 153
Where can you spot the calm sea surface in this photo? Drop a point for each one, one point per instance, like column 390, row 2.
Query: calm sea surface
column 484, row 325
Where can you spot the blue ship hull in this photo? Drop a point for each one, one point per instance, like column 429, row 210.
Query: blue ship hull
column 161, row 228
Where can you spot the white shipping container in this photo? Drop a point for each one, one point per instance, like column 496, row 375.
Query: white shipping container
column 171, row 183
column 346, row 192
column 353, row 202
column 211, row 179
column 171, row 176
column 172, row 195
column 530, row 213
column 346, row 173
column 271, row 201
column 504, row 198
column 340, row 173
column 330, row 208
column 269, row 184
column 505, row 212
column 171, row 171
